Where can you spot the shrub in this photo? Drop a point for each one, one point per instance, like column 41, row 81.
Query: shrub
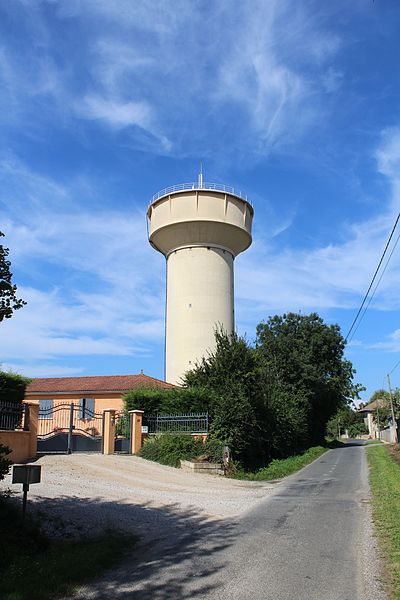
column 214, row 449
column 357, row 429
column 12, row 387
column 5, row 463
column 171, row 448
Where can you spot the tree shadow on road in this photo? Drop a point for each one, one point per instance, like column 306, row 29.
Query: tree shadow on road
column 178, row 555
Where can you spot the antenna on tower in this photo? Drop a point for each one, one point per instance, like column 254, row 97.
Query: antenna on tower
column 201, row 176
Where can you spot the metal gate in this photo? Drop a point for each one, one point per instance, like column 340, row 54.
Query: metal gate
column 122, row 433
column 67, row 428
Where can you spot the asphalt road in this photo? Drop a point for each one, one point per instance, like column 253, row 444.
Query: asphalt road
column 310, row 540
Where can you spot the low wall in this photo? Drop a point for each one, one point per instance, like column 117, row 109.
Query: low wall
column 388, row 435
column 20, row 444
column 202, row 467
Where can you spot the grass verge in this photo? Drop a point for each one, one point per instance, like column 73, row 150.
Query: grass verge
column 33, row 567
column 283, row 467
column 384, row 477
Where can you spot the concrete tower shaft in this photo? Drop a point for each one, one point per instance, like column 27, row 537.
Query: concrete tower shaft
column 200, row 231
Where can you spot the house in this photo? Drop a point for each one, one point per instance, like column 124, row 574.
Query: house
column 368, row 411
column 92, row 394
column 71, row 409
column 378, row 426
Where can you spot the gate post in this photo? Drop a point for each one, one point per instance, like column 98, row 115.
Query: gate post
column 109, row 431
column 136, row 418
column 71, row 426
column 32, row 426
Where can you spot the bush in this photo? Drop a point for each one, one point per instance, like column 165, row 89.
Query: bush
column 5, row 463
column 357, row 429
column 171, row 448
column 12, row 387
column 214, row 449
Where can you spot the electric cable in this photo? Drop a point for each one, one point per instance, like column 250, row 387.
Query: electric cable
column 376, row 286
column 395, row 367
column 373, row 279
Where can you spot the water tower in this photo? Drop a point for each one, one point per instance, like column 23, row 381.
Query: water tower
column 200, row 228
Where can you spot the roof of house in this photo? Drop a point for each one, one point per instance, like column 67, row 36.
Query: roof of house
column 97, row 383
column 372, row 406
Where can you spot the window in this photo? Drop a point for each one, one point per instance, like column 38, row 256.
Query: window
column 86, row 408
column 45, row 409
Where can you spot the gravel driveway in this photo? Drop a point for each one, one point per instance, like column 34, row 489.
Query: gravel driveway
column 94, row 492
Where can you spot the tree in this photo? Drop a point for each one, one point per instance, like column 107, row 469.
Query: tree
column 8, row 291
column 305, row 357
column 346, row 419
column 274, row 399
column 231, row 378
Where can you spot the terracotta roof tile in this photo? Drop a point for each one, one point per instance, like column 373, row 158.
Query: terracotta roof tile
column 98, row 383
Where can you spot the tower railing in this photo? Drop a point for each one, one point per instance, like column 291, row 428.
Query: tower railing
column 220, row 187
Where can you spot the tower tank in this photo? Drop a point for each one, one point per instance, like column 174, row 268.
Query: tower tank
column 200, row 228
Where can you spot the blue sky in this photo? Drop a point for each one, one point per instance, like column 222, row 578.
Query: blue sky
column 104, row 103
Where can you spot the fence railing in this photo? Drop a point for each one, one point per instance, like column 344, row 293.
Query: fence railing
column 189, row 423
column 206, row 185
column 13, row 416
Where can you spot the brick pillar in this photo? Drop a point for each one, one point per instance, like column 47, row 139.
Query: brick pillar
column 109, row 431
column 136, row 417
column 33, row 424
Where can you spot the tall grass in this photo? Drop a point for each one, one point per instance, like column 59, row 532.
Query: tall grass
column 283, row 467
column 384, row 477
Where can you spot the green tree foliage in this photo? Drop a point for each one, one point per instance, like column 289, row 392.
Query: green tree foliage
column 12, row 387
column 167, row 401
column 275, row 399
column 304, row 356
column 346, row 419
column 8, row 291
column 231, row 376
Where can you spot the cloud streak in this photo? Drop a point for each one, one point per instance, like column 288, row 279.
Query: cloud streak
column 133, row 71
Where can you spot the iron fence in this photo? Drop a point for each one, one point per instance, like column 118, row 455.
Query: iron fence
column 13, row 416
column 189, row 423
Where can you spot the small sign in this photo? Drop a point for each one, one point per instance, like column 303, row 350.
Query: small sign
column 145, row 429
column 26, row 474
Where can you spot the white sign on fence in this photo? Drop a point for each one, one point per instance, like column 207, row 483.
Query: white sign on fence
column 145, row 429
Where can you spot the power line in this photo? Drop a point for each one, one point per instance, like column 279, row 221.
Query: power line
column 376, row 286
column 374, row 277
column 395, row 367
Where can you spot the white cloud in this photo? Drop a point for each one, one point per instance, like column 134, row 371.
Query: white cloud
column 107, row 296
column 179, row 71
column 270, row 277
column 98, row 284
column 116, row 114
column 391, row 344
column 41, row 370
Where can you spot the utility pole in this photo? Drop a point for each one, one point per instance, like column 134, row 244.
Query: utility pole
column 394, row 423
column 377, row 419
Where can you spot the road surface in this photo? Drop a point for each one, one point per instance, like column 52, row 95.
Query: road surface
column 310, row 540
